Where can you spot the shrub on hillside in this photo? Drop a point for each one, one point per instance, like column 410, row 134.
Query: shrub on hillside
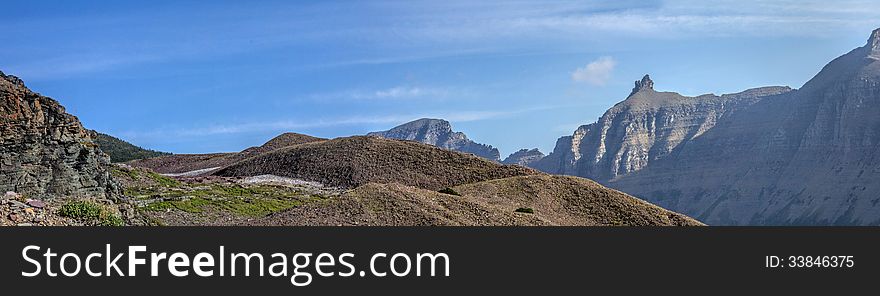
column 449, row 191
column 90, row 213
column 525, row 210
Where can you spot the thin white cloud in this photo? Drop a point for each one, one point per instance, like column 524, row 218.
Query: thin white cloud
column 63, row 67
column 400, row 92
column 403, row 30
column 290, row 125
column 596, row 72
column 577, row 20
column 392, row 93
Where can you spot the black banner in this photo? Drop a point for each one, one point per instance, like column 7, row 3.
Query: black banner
column 489, row 261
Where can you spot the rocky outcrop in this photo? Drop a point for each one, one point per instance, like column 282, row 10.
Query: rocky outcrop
column 524, row 157
column 645, row 84
column 46, row 152
column 439, row 133
column 766, row 156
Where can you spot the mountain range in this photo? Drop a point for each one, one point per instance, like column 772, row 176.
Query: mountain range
column 55, row 173
column 765, row 156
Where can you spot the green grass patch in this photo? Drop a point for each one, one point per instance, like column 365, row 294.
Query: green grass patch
column 257, row 207
column 131, row 174
column 163, row 180
column 449, row 191
column 255, row 201
column 525, row 210
column 90, row 212
column 251, row 201
column 135, row 175
column 246, row 206
column 141, row 192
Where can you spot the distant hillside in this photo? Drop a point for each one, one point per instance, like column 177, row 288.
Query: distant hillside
column 122, row 151
column 281, row 141
column 438, row 132
column 354, row 161
column 183, row 163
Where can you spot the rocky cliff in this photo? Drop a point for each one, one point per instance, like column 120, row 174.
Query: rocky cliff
column 765, row 156
column 439, row 133
column 46, row 152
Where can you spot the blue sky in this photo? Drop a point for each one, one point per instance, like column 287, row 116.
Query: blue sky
column 209, row 76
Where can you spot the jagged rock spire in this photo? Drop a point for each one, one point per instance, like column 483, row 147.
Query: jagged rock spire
column 645, row 83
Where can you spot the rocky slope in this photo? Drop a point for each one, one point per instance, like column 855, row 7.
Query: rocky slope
column 439, row 133
column 766, row 156
column 524, row 157
column 46, row 152
column 354, row 161
column 549, row 200
column 122, row 151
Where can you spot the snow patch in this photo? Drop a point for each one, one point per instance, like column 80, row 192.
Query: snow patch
column 191, row 173
column 277, row 180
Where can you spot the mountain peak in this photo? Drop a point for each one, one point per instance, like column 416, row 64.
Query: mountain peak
column 874, row 43
column 430, row 121
column 288, row 139
column 438, row 132
column 645, row 83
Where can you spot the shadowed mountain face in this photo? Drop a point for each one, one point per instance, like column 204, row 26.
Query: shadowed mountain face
column 439, row 133
column 44, row 151
column 765, row 156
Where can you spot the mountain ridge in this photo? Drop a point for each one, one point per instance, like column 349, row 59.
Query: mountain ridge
column 121, row 151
